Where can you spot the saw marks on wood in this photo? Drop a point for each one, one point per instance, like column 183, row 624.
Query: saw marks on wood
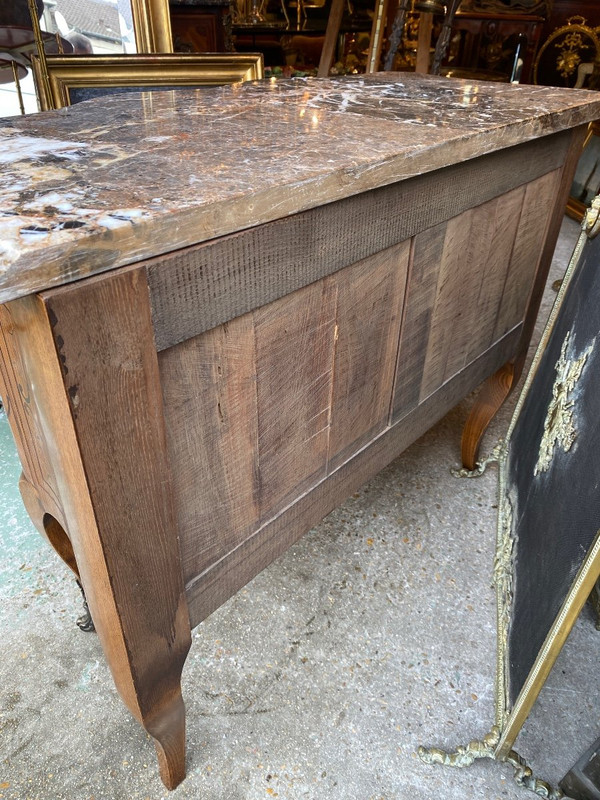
column 261, row 409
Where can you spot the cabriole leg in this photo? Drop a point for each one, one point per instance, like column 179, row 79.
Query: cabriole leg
column 88, row 351
column 489, row 401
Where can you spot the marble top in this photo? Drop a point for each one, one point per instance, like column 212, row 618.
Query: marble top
column 111, row 181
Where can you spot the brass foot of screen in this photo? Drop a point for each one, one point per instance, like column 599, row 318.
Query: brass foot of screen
column 481, row 466
column 465, row 755
column 524, row 777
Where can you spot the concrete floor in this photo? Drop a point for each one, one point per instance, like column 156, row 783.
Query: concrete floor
column 374, row 634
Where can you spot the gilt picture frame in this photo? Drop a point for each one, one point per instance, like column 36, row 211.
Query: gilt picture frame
column 152, row 26
column 71, row 79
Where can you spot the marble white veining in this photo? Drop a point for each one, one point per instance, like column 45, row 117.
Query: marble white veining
column 118, row 179
column 30, row 147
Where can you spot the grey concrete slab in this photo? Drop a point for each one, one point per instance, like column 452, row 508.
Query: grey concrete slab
column 372, row 635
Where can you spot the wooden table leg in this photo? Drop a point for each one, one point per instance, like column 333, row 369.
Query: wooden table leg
column 89, row 357
column 489, row 400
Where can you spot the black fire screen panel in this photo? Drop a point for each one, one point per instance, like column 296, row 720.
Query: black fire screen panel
column 548, row 541
column 550, row 498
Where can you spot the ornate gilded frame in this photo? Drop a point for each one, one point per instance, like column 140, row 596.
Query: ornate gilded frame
column 151, row 24
column 173, row 70
column 571, row 37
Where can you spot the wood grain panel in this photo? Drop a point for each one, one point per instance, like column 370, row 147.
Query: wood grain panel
column 453, row 297
column 23, row 417
column 369, row 311
column 209, row 392
column 482, row 273
column 295, row 340
column 428, row 250
column 455, row 291
column 493, row 271
column 538, row 205
column 208, row 591
column 201, row 287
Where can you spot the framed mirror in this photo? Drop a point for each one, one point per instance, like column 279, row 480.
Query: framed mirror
column 110, row 27
column 72, row 79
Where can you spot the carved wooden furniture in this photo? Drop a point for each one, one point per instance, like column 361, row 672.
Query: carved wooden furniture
column 479, row 45
column 225, row 310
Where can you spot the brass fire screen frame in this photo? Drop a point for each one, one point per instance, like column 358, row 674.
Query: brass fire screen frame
column 558, row 434
column 511, row 717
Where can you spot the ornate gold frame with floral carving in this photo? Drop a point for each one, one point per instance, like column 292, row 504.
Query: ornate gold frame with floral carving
column 67, row 74
column 571, row 44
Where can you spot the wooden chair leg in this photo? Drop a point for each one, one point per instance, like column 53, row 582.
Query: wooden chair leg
column 491, row 397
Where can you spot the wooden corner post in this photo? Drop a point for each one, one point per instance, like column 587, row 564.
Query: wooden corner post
column 88, row 351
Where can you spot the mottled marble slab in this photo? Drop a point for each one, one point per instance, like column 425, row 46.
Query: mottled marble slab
column 114, row 180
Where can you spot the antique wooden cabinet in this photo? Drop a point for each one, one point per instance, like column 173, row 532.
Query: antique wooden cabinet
column 224, row 310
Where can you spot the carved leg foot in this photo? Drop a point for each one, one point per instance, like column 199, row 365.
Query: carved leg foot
column 525, row 778
column 494, row 392
column 85, row 621
column 168, row 731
